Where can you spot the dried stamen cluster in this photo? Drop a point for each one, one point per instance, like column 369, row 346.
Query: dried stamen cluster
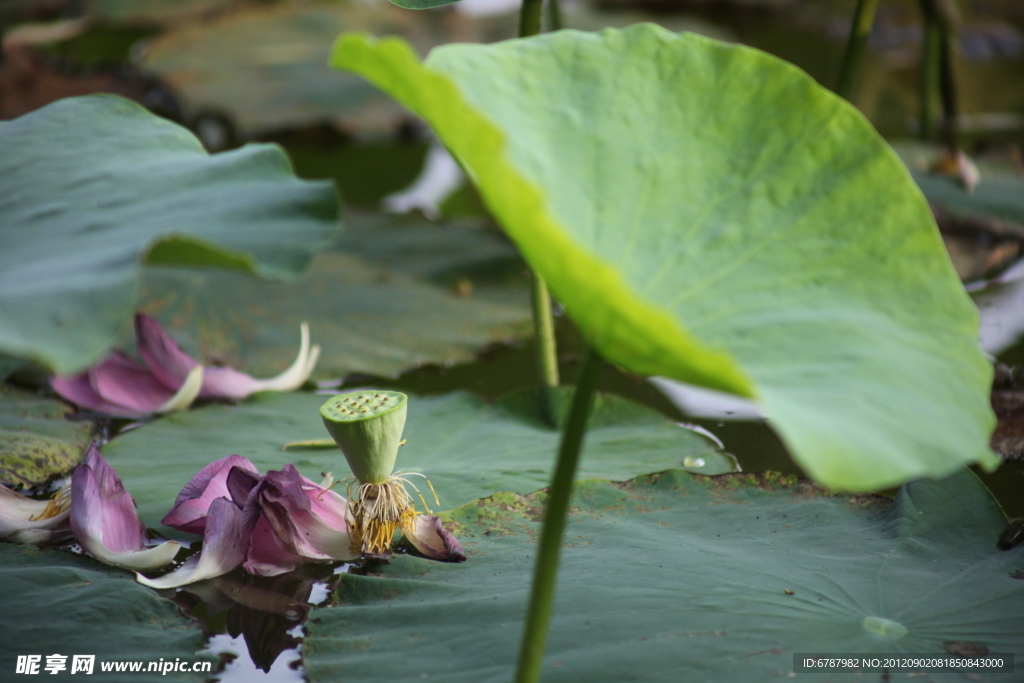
column 376, row 512
column 58, row 504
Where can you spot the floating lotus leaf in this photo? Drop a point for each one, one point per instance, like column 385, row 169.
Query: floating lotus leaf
column 55, row 602
column 679, row 577
column 468, row 447
column 366, row 317
column 37, row 443
column 93, row 185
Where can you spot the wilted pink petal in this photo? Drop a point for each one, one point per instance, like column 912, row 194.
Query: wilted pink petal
column 191, row 506
column 78, row 390
column 171, row 379
column 267, row 554
column 431, row 538
column 105, row 521
column 228, row 383
column 123, row 382
column 224, row 547
column 24, row 520
column 241, row 483
column 309, row 520
column 161, row 354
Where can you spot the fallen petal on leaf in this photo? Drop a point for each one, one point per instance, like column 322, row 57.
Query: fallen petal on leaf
column 228, row 383
column 105, row 521
column 224, row 548
column 428, row 535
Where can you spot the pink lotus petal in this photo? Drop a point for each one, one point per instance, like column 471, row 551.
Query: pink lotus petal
column 431, row 538
column 224, row 547
column 193, row 503
column 231, row 384
column 105, row 521
column 240, row 483
column 267, row 554
column 308, row 520
column 123, row 382
column 78, row 390
column 228, row 383
column 161, row 354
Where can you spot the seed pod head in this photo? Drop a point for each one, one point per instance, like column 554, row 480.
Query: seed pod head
column 367, row 425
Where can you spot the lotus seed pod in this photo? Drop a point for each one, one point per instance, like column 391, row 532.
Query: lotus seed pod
column 367, row 426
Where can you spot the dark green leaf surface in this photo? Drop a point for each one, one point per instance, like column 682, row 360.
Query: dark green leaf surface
column 422, row 4
column 150, row 12
column 55, row 602
column 37, row 443
column 467, row 447
column 673, row 577
column 709, row 213
column 265, row 67
column 90, row 184
column 371, row 314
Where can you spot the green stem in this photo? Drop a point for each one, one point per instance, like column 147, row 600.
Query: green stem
column 554, row 15
column 544, row 329
column 950, row 103
column 931, row 55
column 863, row 19
column 542, row 596
column 543, row 326
column 529, row 18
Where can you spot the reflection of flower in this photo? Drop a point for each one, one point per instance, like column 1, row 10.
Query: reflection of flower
column 170, row 379
column 263, row 611
column 105, row 521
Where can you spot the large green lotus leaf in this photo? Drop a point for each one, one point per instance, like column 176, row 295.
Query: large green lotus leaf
column 366, row 304
column 55, row 602
column 676, row 577
column 707, row 212
column 90, row 185
column 467, row 447
column 37, row 443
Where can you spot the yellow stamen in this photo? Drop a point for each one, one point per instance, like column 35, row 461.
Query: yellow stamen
column 377, row 512
column 59, row 503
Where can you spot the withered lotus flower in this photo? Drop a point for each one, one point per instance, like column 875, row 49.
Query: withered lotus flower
column 367, row 426
column 169, row 378
column 269, row 524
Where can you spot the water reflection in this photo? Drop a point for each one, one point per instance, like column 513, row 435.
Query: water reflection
column 255, row 624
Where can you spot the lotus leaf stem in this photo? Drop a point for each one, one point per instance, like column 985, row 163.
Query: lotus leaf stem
column 529, row 18
column 931, row 57
column 863, row 19
column 542, row 595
